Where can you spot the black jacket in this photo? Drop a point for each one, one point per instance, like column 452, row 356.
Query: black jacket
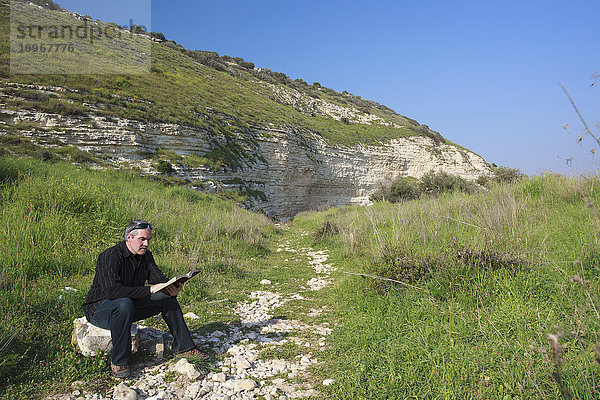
column 121, row 274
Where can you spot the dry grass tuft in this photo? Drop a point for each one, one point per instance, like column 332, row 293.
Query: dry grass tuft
column 328, row 228
column 489, row 258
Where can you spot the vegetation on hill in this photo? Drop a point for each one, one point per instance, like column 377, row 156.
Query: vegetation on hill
column 432, row 184
column 499, row 297
column 222, row 94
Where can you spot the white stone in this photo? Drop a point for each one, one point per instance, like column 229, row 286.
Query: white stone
column 184, row 367
column 191, row 315
column 218, row 334
column 124, row 392
column 265, row 282
column 305, row 360
column 241, row 362
column 220, row 377
column 245, row 384
column 328, row 382
column 193, row 389
column 88, row 339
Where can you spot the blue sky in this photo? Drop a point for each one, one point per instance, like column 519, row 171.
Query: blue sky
column 485, row 74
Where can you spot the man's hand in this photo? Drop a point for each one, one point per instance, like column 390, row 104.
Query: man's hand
column 172, row 290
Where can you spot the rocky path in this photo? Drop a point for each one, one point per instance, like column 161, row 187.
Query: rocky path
column 263, row 356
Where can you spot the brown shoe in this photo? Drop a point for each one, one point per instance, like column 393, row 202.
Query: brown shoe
column 120, row 371
column 195, row 353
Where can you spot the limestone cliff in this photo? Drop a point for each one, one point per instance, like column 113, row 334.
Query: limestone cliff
column 296, row 171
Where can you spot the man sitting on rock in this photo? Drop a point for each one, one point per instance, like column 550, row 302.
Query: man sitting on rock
column 118, row 296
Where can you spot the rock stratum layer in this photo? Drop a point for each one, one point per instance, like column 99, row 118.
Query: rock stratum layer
column 292, row 171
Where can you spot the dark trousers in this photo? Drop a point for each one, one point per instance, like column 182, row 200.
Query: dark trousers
column 118, row 315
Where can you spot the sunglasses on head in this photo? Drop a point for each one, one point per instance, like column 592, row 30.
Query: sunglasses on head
column 143, row 225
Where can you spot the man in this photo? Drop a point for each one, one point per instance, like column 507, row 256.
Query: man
column 118, row 296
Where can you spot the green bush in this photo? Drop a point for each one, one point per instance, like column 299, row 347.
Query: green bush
column 433, row 183
column 401, row 189
column 436, row 183
column 507, row 175
column 165, row 167
column 158, row 35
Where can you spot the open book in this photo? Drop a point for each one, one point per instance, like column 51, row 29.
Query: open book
column 177, row 279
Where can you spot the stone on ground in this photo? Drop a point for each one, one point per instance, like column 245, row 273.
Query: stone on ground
column 184, row 367
column 124, row 392
column 88, row 339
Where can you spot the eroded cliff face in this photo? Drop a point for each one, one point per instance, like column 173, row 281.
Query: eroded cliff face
column 296, row 171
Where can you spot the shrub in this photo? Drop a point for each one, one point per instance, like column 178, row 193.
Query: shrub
column 165, row 167
column 507, row 175
column 436, row 183
column 482, row 180
column 405, row 188
column 400, row 189
column 48, row 4
column 433, row 183
column 158, row 35
column 281, row 77
column 300, row 82
column 137, row 29
column 246, row 64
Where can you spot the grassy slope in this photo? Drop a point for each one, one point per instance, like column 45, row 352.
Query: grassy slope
column 182, row 90
column 57, row 218
column 478, row 329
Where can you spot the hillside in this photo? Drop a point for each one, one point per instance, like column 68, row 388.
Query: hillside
column 184, row 85
column 214, row 113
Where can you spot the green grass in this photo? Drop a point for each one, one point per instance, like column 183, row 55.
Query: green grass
column 498, row 278
column 57, row 218
column 494, row 270
column 285, row 351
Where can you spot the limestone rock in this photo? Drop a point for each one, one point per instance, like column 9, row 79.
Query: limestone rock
column 124, row 392
column 89, row 339
column 241, row 362
column 184, row 367
column 153, row 341
column 245, row 384
column 193, row 389
column 241, row 385
column 220, row 377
